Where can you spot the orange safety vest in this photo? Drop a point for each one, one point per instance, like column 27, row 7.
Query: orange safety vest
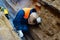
column 27, row 12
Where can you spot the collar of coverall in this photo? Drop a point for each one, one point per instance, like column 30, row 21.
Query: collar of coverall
column 28, row 12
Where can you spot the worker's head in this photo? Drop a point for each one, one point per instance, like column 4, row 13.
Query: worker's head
column 34, row 19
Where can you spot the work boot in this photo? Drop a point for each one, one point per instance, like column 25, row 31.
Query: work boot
column 20, row 33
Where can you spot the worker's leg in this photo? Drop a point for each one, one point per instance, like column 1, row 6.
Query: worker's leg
column 17, row 22
column 18, row 18
column 25, row 28
column 20, row 29
column 26, row 31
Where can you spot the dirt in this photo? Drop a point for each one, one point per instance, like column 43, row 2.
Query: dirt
column 55, row 3
column 49, row 29
column 6, row 30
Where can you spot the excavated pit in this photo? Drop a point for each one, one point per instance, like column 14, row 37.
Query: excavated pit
column 49, row 29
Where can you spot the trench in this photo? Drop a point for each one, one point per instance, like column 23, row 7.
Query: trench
column 47, row 30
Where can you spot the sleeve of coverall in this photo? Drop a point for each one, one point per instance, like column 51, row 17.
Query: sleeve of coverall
column 18, row 18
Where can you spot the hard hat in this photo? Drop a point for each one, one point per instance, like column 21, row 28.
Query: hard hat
column 34, row 18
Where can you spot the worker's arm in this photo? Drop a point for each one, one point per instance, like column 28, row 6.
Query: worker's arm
column 18, row 18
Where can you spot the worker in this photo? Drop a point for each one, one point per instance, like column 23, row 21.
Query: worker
column 5, row 11
column 24, row 17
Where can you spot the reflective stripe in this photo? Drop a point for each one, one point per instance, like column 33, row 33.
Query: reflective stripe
column 27, row 12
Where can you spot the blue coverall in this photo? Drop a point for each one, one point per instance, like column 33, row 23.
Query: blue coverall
column 20, row 23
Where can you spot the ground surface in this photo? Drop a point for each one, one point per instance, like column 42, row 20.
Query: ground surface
column 55, row 3
column 49, row 29
column 6, row 30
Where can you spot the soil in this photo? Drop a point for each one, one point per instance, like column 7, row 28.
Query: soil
column 49, row 29
column 6, row 30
